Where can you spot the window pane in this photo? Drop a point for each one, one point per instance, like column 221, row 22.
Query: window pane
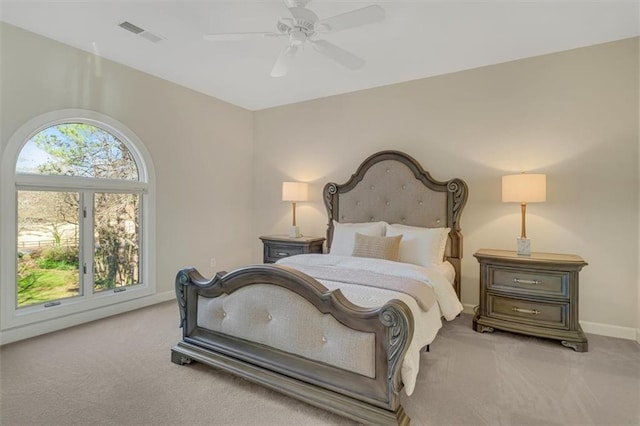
column 117, row 242
column 77, row 149
column 47, row 246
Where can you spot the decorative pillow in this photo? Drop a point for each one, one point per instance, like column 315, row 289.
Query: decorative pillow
column 377, row 247
column 420, row 246
column 344, row 235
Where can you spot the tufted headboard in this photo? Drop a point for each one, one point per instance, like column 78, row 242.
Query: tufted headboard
column 393, row 187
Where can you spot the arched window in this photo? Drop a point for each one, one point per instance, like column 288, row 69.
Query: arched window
column 80, row 210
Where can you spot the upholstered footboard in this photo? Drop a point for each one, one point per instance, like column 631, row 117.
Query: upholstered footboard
column 280, row 328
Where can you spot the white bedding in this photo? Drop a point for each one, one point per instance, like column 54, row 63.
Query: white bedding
column 427, row 323
column 446, row 269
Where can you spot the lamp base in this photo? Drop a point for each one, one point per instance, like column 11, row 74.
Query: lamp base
column 524, row 246
column 294, row 232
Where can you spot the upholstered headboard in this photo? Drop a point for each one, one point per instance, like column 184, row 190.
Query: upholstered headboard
column 393, row 187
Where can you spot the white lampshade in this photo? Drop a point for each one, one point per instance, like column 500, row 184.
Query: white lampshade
column 524, row 188
column 295, row 191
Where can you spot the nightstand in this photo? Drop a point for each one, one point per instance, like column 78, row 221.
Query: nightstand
column 279, row 246
column 535, row 295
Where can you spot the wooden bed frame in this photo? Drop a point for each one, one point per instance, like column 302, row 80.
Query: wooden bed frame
column 430, row 203
column 370, row 399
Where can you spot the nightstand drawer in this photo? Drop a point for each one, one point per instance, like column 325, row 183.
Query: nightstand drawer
column 528, row 282
column 544, row 314
column 278, row 247
column 278, row 251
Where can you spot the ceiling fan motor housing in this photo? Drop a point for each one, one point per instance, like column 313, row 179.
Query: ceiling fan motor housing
column 301, row 27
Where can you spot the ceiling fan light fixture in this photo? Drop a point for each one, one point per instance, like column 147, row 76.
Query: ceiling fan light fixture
column 297, row 37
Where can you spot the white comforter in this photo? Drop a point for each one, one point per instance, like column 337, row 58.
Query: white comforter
column 427, row 323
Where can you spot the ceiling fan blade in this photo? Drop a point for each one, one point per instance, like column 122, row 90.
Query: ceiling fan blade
column 355, row 18
column 338, row 54
column 240, row 36
column 301, row 13
column 281, row 67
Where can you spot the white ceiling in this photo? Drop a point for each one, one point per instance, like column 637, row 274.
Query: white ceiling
column 417, row 39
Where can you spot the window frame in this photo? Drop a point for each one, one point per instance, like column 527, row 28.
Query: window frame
column 12, row 316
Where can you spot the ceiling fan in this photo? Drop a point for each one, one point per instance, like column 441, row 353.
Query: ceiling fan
column 302, row 28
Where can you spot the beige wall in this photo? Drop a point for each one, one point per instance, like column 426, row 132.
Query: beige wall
column 198, row 144
column 571, row 115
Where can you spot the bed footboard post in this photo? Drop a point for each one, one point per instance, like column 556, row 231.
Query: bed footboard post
column 398, row 319
column 182, row 280
column 186, row 294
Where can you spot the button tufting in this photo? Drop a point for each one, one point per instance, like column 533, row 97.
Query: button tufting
column 373, row 187
column 404, row 220
column 371, row 219
column 357, row 203
column 404, row 186
column 420, row 203
column 224, row 314
column 437, row 220
column 388, row 203
column 388, row 170
column 270, row 317
column 324, row 339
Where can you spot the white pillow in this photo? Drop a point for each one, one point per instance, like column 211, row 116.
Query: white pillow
column 420, row 246
column 344, row 235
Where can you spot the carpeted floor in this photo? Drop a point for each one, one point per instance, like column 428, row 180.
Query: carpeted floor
column 117, row 371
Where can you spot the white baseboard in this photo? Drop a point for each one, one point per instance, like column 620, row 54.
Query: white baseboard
column 608, row 330
column 32, row 330
column 468, row 309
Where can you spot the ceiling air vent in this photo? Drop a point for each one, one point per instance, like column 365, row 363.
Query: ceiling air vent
column 140, row 31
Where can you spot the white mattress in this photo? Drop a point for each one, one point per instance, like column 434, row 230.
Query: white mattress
column 427, row 323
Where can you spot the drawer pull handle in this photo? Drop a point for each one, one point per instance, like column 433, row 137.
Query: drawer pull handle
column 525, row 311
column 282, row 253
column 519, row 281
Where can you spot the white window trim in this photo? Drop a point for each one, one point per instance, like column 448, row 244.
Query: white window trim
column 13, row 318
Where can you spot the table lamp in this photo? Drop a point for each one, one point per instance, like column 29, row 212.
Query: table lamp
column 295, row 192
column 524, row 188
